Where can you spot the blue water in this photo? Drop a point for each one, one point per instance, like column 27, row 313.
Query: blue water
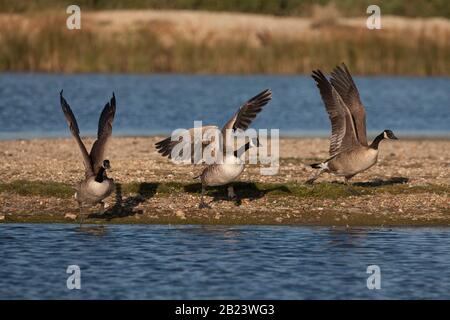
column 152, row 104
column 214, row 262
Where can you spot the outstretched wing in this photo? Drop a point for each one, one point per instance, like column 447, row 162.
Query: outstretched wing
column 342, row 81
column 104, row 133
column 73, row 126
column 247, row 113
column 343, row 134
column 166, row 146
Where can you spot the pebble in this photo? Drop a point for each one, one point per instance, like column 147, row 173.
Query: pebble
column 379, row 205
column 180, row 214
column 70, row 216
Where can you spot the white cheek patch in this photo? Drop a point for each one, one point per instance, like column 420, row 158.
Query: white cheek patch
column 385, row 135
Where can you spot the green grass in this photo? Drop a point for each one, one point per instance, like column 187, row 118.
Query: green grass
column 38, row 188
column 150, row 189
column 282, row 193
column 243, row 189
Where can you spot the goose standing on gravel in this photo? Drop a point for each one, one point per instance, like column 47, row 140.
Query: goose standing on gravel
column 349, row 151
column 96, row 185
column 231, row 166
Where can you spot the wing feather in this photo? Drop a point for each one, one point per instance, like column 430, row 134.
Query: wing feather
column 166, row 146
column 104, row 133
column 343, row 134
column 73, row 126
column 246, row 113
column 342, row 81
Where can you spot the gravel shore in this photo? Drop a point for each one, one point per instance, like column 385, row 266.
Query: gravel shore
column 408, row 186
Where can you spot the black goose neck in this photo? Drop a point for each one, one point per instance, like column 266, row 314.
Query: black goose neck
column 240, row 151
column 376, row 141
column 100, row 175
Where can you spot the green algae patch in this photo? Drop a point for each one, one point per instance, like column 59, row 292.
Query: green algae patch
column 243, row 189
column 38, row 188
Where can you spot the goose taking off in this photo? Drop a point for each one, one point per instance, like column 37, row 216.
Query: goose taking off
column 349, row 152
column 231, row 166
column 96, row 185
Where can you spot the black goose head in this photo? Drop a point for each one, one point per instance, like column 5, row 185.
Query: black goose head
column 388, row 134
column 106, row 164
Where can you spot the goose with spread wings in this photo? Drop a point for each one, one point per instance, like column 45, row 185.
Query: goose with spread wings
column 349, row 151
column 96, row 185
column 231, row 166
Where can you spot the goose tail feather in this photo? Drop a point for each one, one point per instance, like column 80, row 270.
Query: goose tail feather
column 321, row 165
column 316, row 165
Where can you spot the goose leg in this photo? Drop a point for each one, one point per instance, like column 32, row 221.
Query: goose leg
column 349, row 185
column 81, row 215
column 202, row 204
column 347, row 180
column 231, row 194
column 102, row 207
column 314, row 177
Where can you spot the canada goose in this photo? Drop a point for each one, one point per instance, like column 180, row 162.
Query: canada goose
column 349, row 152
column 231, row 166
column 96, row 185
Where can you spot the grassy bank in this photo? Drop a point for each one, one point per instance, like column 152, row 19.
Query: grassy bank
column 41, row 42
column 413, row 8
column 247, row 190
column 52, row 202
column 408, row 186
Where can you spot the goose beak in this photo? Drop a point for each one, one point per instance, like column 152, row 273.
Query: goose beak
column 255, row 143
column 388, row 134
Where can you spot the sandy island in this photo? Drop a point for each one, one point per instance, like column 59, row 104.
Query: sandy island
column 408, row 186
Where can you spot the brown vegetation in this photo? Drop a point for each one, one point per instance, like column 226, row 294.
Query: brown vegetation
column 204, row 42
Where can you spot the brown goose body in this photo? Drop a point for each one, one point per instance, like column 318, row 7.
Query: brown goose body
column 230, row 166
column 352, row 161
column 349, row 151
column 224, row 173
column 96, row 186
column 91, row 192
